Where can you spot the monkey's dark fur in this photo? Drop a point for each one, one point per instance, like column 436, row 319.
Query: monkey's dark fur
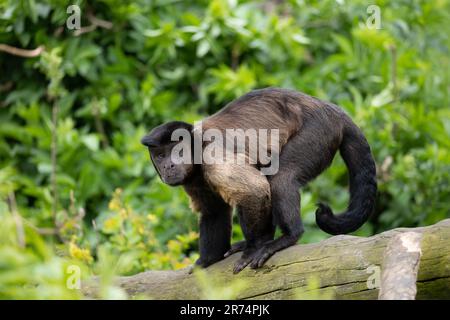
column 311, row 132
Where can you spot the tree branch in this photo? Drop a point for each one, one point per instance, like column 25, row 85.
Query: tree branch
column 21, row 52
column 95, row 22
column 17, row 219
column 54, row 155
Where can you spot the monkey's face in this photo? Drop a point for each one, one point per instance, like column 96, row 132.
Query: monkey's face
column 171, row 173
column 167, row 163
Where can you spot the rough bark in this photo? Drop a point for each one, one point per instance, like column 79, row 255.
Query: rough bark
column 341, row 267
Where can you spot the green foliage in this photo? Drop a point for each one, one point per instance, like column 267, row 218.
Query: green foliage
column 129, row 233
column 33, row 271
column 164, row 60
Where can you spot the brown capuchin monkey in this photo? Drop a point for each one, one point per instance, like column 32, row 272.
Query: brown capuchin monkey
column 310, row 132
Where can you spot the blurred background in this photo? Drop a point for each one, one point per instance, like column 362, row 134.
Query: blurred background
column 76, row 186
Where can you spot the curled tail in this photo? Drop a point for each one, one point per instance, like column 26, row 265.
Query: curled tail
column 356, row 153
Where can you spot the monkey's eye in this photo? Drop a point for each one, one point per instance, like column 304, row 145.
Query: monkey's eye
column 160, row 156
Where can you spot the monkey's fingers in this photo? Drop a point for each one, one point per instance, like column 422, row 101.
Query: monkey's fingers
column 191, row 269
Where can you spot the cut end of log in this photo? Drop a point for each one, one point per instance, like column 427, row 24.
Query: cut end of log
column 400, row 267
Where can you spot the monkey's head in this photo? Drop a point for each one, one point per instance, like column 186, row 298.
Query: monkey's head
column 160, row 145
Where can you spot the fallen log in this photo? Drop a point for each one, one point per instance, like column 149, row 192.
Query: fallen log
column 341, row 267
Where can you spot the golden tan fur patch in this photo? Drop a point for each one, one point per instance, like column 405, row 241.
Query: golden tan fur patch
column 238, row 183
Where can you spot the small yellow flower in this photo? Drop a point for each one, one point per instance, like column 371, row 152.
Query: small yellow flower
column 111, row 225
column 164, row 258
column 115, row 203
column 179, row 265
column 193, row 235
column 123, row 213
column 174, row 245
column 152, row 218
column 140, row 245
column 80, row 254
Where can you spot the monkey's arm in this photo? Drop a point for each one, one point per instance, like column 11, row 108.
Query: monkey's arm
column 215, row 223
column 215, row 235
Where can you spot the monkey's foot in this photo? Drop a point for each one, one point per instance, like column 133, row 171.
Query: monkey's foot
column 260, row 257
column 236, row 247
column 255, row 259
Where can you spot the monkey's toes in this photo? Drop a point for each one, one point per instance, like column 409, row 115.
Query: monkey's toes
column 241, row 264
column 239, row 246
column 246, row 258
column 255, row 259
column 260, row 258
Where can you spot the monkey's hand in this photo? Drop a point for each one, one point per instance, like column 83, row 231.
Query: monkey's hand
column 236, row 247
column 190, row 269
column 199, row 264
column 204, row 263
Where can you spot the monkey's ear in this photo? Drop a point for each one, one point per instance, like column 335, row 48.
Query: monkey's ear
column 150, row 141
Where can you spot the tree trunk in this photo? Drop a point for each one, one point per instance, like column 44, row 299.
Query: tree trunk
column 341, row 267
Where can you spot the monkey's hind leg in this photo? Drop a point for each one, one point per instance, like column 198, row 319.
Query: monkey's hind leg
column 286, row 214
column 300, row 162
column 243, row 186
column 258, row 229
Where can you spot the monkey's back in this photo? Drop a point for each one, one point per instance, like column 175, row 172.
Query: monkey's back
column 275, row 108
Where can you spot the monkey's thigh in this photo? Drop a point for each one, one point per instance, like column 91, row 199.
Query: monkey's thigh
column 306, row 155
